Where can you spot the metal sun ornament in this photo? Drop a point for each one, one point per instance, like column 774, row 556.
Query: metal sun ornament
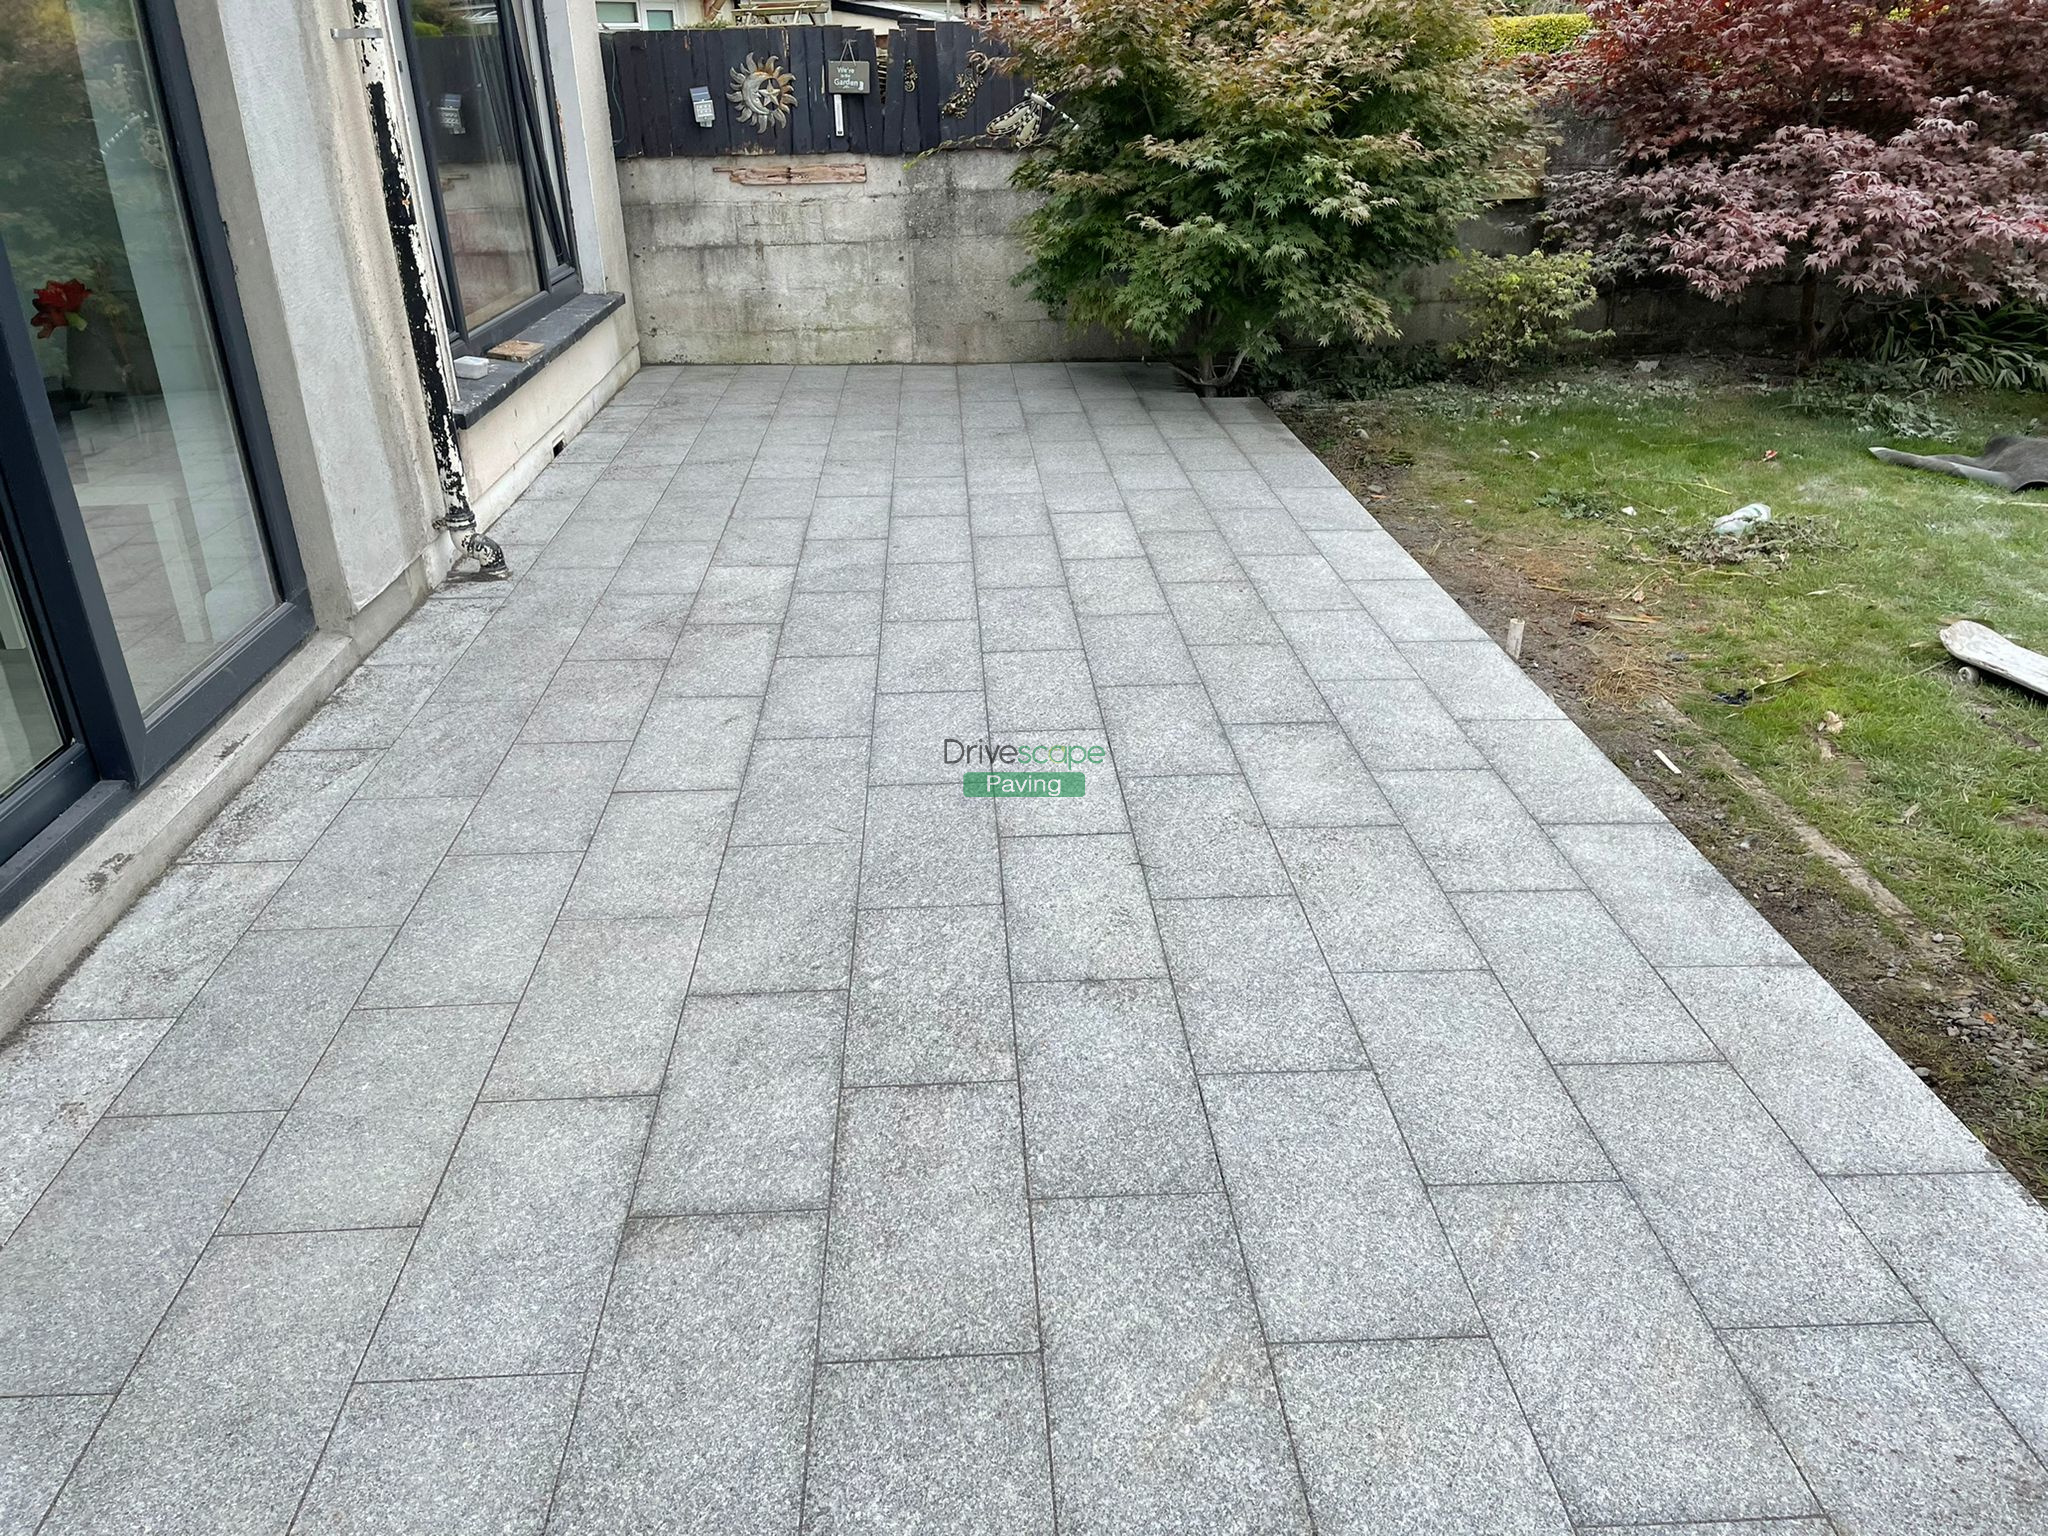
column 763, row 93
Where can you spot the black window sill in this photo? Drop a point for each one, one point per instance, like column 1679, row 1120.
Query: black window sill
column 556, row 331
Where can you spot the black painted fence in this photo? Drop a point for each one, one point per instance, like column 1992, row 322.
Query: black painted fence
column 929, row 86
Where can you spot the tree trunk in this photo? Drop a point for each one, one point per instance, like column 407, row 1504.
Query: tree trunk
column 1810, row 335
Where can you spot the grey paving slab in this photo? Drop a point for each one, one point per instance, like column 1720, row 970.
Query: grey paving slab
column 1476, row 1099
column 929, row 1250
column 56, row 1080
column 90, row 1270
column 691, row 743
column 1676, row 906
column 945, row 1446
column 1974, row 1250
column 411, row 1458
column 1099, row 807
column 1308, row 776
column 693, row 1419
column 654, row 854
column 1371, row 900
column 510, row 1267
column 781, row 921
column 812, row 696
column 1638, row 1411
column 927, row 845
column 1339, row 1236
column 929, row 656
column 1040, row 620
column 1557, row 772
column 1110, row 1102
column 1253, row 988
column 638, row 626
column 1583, row 989
column 1756, row 1234
column 1415, row 610
column 1039, row 691
column 720, row 661
column 1203, row 836
column 514, row 898
column 929, row 592
column 370, row 710
column 40, row 1438
column 220, row 1426
column 747, row 1113
column 1147, row 1313
column 911, row 732
column 812, row 791
column 1846, row 1101
column 369, row 1134
column 1477, row 680
column 593, row 701
column 544, row 799
column 1077, row 909
column 1258, row 684
column 1136, row 649
column 1474, row 834
column 1445, row 1449
column 599, row 1014
column 252, row 1035
column 1398, row 726
column 152, row 963
column 1222, row 613
column 1891, row 1432
column 284, row 809
column 454, row 744
column 930, row 999
column 1171, row 730
column 368, row 868
column 1343, row 644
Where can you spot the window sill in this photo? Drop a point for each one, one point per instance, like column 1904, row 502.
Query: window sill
column 556, row 332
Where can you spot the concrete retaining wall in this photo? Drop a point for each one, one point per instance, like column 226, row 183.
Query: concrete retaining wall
column 912, row 265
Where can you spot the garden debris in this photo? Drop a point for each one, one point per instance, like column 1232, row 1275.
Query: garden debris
column 1742, row 519
column 1983, row 649
column 2007, row 463
column 1676, row 771
column 1516, row 628
column 1738, row 698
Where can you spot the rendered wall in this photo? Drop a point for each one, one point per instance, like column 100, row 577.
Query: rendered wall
column 911, row 266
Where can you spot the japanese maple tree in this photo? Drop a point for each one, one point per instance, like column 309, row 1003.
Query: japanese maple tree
column 1225, row 176
column 1895, row 148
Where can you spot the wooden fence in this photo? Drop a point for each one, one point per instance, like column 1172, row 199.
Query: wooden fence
column 927, row 86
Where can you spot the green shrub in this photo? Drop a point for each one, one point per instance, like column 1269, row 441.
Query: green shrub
column 1519, row 310
column 1226, row 178
column 1516, row 35
column 1955, row 346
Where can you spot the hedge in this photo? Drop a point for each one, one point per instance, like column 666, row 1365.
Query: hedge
column 1538, row 34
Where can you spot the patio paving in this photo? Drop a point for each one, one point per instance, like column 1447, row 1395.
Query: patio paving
column 606, row 1077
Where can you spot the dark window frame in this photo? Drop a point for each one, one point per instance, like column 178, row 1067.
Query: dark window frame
column 115, row 748
column 547, row 214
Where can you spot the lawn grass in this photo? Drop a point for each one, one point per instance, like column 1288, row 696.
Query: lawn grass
column 1937, row 787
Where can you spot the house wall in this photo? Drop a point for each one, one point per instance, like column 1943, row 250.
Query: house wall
column 911, row 265
column 294, row 154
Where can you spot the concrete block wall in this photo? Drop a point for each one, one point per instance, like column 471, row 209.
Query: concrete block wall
column 912, row 265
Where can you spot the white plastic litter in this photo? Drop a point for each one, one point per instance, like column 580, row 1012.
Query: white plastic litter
column 1742, row 519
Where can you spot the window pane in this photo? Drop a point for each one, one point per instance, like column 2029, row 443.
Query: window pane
column 29, row 732
column 661, row 21
column 476, row 148
column 617, row 15
column 534, row 46
column 96, row 233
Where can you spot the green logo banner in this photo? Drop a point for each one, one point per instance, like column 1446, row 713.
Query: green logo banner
column 1024, row 786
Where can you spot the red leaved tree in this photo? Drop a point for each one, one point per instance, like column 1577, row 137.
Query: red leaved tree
column 1895, row 148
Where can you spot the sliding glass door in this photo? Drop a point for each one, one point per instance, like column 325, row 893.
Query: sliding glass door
column 143, row 505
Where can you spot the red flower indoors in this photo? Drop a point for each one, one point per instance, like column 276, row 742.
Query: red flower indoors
column 58, row 305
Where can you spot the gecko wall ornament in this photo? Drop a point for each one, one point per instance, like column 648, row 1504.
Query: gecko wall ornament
column 763, row 93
